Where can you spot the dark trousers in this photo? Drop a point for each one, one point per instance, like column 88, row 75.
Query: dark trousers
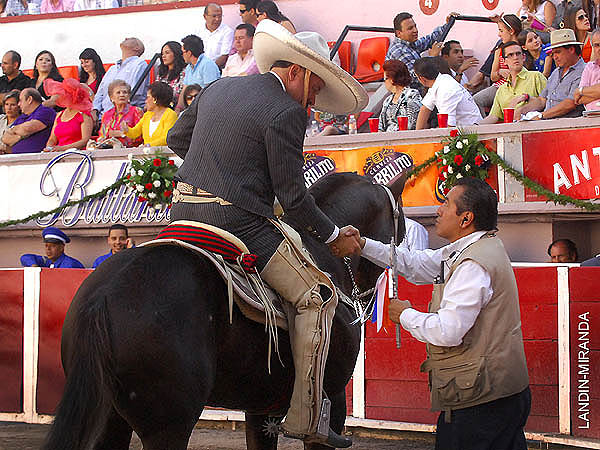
column 497, row 425
column 259, row 235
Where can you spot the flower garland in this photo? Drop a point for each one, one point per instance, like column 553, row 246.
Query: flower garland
column 152, row 179
column 462, row 156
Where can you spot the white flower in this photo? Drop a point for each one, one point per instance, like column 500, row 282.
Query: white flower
column 151, row 195
column 140, row 188
column 156, row 183
column 467, row 167
column 459, row 145
column 140, row 172
column 458, row 176
column 130, row 157
column 437, row 153
column 133, row 172
column 450, row 169
column 442, row 185
column 466, row 141
column 445, row 174
column 444, row 161
column 446, row 149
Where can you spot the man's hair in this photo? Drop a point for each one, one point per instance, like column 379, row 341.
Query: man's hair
column 505, row 45
column 214, row 5
column 479, row 198
column 571, row 247
column 249, row 4
column 442, row 65
column 119, row 226
column 448, row 46
column 248, row 27
column 136, row 45
column 14, row 94
column 281, row 64
column 577, row 48
column 194, row 44
column 15, row 57
column 32, row 93
column 401, row 18
column 595, row 32
column 427, row 68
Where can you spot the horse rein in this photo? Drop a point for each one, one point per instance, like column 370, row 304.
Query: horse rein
column 357, row 296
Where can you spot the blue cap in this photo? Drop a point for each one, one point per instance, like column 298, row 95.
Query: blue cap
column 54, row 235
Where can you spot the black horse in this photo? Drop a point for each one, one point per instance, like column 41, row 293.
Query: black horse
column 147, row 343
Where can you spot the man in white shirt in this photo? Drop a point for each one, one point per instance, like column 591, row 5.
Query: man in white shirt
column 453, row 54
column 475, row 357
column 217, row 36
column 445, row 94
column 241, row 63
column 415, row 236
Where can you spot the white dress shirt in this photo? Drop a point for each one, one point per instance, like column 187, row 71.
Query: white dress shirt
column 218, row 42
column 463, row 79
column 416, row 236
column 129, row 71
column 453, row 99
column 467, row 291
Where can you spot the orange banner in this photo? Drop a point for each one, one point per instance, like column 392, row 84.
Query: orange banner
column 382, row 164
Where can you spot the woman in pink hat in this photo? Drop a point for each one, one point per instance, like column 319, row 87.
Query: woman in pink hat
column 72, row 126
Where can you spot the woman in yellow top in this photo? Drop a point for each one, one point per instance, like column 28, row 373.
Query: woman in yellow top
column 158, row 118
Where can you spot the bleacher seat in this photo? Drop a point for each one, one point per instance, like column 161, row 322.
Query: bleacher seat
column 345, row 54
column 370, row 59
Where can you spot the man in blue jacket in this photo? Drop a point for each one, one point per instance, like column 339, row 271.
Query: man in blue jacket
column 54, row 242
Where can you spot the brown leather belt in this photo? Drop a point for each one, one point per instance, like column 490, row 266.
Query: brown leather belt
column 186, row 193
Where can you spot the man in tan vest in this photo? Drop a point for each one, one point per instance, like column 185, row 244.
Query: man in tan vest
column 475, row 359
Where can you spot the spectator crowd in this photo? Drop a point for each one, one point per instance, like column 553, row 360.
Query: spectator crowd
column 115, row 105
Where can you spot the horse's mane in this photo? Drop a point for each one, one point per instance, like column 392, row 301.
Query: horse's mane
column 331, row 183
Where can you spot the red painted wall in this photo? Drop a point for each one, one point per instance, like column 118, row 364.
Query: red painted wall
column 11, row 340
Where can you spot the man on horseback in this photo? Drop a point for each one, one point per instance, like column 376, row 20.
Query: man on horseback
column 242, row 141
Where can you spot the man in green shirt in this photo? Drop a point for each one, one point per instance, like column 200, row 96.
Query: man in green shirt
column 520, row 86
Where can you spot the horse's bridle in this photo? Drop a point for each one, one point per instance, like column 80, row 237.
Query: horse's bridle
column 357, row 296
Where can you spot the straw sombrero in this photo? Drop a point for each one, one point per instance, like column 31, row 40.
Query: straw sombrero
column 342, row 94
column 565, row 36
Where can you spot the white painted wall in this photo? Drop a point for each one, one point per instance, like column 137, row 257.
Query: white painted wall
column 66, row 37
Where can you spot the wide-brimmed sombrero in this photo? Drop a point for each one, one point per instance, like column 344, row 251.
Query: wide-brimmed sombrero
column 342, row 94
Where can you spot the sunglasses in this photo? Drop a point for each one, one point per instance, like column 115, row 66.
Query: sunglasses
column 582, row 16
column 242, row 11
column 190, row 97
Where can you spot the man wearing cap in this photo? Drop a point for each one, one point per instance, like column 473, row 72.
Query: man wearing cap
column 557, row 98
column 242, row 141
column 54, row 241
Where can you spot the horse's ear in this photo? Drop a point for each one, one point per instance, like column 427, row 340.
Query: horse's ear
column 396, row 185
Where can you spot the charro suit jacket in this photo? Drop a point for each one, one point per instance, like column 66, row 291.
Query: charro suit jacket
column 242, row 139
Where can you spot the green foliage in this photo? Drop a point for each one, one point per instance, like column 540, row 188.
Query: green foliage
column 152, row 179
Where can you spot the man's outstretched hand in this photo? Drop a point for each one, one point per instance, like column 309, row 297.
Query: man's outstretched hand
column 347, row 243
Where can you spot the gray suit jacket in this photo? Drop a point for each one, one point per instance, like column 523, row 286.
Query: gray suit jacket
column 242, row 139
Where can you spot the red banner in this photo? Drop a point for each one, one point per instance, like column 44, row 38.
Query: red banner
column 565, row 162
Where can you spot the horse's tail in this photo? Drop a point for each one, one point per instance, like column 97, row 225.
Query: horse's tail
column 87, row 398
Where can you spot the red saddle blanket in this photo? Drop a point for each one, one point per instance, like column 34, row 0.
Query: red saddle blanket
column 212, row 242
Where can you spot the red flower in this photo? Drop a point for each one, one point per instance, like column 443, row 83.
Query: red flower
column 478, row 160
column 171, row 162
column 453, row 133
column 445, row 168
column 442, row 176
column 141, row 199
column 174, row 184
column 167, row 193
column 458, row 159
column 128, row 176
column 446, row 190
column 157, row 162
column 148, row 186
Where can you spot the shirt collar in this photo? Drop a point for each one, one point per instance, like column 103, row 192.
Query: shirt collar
column 451, row 251
column 523, row 73
column 279, row 79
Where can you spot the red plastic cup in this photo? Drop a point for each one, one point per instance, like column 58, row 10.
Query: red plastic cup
column 442, row 120
column 374, row 124
column 402, row 123
column 509, row 115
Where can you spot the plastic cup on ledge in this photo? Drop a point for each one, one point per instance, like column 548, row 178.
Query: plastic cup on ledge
column 509, row 115
column 442, row 120
column 402, row 123
column 374, row 124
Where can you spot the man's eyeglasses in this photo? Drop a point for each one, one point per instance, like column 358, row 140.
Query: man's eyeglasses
column 513, row 55
column 190, row 96
column 582, row 16
column 242, row 11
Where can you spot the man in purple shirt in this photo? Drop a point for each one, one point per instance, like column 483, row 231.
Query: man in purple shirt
column 31, row 130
